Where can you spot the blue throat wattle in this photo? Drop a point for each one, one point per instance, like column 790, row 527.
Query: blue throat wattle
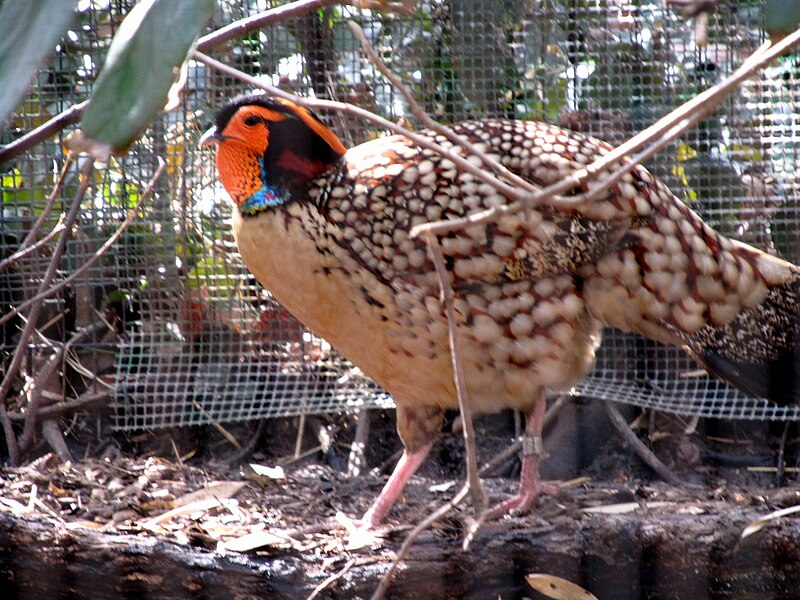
column 267, row 196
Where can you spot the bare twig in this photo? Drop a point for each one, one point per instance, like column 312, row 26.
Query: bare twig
column 46, row 290
column 33, row 316
column 82, row 402
column 44, row 374
column 666, row 128
column 27, row 246
column 251, row 444
column 273, row 15
column 291, row 458
column 780, row 461
column 218, row 426
column 72, row 360
column 205, row 43
column 332, row 579
column 52, row 433
column 22, row 253
column 423, row 117
column 129, row 218
column 48, row 129
column 356, row 461
column 413, row 535
column 356, row 111
column 298, row 440
column 473, row 480
column 11, row 437
column 638, row 446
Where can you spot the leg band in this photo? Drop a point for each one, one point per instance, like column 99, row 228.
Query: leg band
column 533, row 446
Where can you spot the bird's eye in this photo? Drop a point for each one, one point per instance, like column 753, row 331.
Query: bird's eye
column 252, row 120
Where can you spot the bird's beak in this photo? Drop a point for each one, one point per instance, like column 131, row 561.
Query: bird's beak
column 210, row 138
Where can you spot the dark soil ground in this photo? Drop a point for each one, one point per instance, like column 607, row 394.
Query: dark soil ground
column 174, row 514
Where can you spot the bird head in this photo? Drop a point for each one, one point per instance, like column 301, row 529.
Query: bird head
column 269, row 150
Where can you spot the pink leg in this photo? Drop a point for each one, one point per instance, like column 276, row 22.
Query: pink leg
column 391, row 492
column 530, row 486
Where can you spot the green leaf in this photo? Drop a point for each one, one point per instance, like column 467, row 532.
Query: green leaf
column 212, row 271
column 29, row 31
column 781, row 17
column 12, row 179
column 144, row 60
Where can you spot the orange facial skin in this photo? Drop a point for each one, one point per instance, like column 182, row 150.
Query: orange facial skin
column 243, row 144
column 240, row 149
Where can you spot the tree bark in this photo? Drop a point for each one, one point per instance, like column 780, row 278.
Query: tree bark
column 664, row 553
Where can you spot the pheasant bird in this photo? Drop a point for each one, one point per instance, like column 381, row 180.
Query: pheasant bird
column 326, row 230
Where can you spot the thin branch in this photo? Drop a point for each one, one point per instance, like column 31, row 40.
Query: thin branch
column 73, row 114
column 46, row 130
column 250, row 446
column 669, row 126
column 73, row 361
column 332, row 579
column 32, row 409
column 11, row 437
column 82, row 402
column 129, row 218
column 218, row 426
column 244, row 26
column 356, row 111
column 33, row 316
column 27, row 246
column 446, row 289
column 638, row 446
column 356, row 460
column 413, row 535
column 45, row 289
column 298, row 440
column 52, row 433
column 423, row 117
column 20, row 254
column 674, row 123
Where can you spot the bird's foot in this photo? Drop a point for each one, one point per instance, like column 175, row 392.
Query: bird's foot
column 516, row 505
column 530, row 487
column 521, row 503
column 361, row 533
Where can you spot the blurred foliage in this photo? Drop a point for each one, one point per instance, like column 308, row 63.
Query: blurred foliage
column 781, row 17
column 28, row 33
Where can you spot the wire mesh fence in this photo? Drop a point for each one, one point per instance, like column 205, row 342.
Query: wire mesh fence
column 181, row 333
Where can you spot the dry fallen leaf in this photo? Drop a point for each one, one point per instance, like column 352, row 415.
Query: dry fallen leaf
column 13, row 506
column 622, row 507
column 442, row 487
column 759, row 523
column 557, row 588
column 199, row 506
column 270, row 472
column 214, row 490
column 253, row 540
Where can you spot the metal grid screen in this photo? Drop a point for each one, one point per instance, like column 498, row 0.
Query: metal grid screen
column 194, row 337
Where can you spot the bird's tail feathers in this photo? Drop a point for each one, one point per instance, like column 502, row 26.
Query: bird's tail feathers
column 759, row 350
